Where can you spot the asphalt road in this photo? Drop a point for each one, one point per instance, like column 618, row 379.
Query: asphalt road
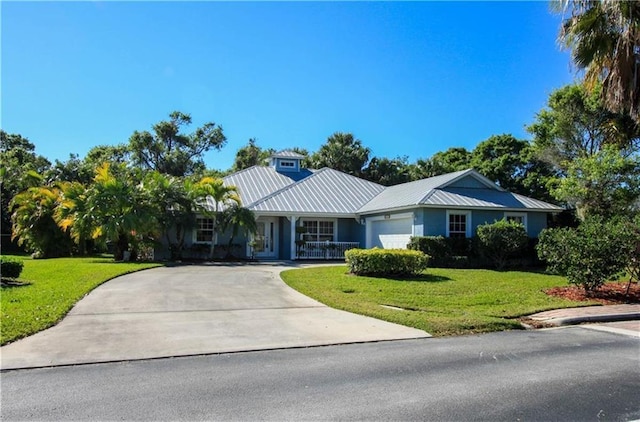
column 570, row 373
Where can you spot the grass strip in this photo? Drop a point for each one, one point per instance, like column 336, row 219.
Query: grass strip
column 441, row 302
column 54, row 286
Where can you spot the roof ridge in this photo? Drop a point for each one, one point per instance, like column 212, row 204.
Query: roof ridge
column 285, row 188
column 242, row 171
column 427, row 196
column 473, row 172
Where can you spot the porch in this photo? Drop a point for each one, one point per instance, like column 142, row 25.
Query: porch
column 323, row 250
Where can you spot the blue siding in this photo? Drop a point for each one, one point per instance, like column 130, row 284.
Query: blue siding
column 536, row 221
column 434, row 222
column 467, row 182
column 480, row 217
column 350, row 230
column 284, row 238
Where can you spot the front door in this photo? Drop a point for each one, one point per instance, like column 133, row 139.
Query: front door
column 265, row 238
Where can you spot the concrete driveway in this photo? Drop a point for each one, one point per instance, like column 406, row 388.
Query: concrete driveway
column 190, row 310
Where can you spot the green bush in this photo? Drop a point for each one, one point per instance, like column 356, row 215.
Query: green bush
column 437, row 247
column 386, row 262
column 588, row 255
column 499, row 241
column 10, row 268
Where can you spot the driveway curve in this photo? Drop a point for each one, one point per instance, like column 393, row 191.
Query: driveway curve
column 190, row 310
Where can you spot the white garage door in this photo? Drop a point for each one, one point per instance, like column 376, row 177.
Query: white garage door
column 391, row 234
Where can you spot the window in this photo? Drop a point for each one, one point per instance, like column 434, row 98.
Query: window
column 287, row 163
column 518, row 217
column 318, row 230
column 458, row 224
column 204, row 232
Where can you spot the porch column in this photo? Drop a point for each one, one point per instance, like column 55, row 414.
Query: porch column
column 293, row 220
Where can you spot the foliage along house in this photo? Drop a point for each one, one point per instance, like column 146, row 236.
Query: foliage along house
column 316, row 214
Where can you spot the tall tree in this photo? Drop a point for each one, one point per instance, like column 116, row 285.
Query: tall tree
column 605, row 184
column 115, row 154
column 342, row 152
column 387, row 171
column 453, row 159
column 604, row 38
column 510, row 163
column 20, row 168
column 576, row 124
column 170, row 152
column 250, row 155
column 72, row 170
column 584, row 142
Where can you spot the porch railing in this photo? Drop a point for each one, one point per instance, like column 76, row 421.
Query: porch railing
column 324, row 250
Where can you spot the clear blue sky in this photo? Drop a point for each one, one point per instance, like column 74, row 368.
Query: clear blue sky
column 409, row 78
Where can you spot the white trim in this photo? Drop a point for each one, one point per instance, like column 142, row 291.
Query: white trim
column 334, row 220
column 194, row 233
column 479, row 177
column 292, row 247
column 467, row 213
column 518, row 214
column 470, row 208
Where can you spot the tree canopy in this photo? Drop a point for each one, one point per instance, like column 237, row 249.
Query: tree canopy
column 343, row 152
column 170, row 152
column 604, row 39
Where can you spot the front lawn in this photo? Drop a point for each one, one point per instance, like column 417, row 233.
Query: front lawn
column 55, row 286
column 441, row 302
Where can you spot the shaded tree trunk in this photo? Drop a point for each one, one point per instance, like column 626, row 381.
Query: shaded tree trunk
column 122, row 245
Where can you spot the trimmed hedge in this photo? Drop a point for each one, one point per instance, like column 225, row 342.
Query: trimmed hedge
column 437, row 247
column 386, row 262
column 10, row 268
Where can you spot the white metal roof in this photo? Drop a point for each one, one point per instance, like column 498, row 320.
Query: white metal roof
column 436, row 191
column 331, row 192
column 326, row 191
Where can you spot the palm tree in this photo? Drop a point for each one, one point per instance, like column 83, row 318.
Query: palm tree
column 72, row 213
column 173, row 208
column 32, row 222
column 120, row 209
column 604, row 38
column 235, row 218
column 210, row 196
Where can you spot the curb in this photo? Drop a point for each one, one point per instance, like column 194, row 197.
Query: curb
column 558, row 322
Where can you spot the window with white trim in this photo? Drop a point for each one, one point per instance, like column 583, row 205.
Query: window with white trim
column 287, row 163
column 518, row 217
column 318, row 230
column 204, row 230
column 458, row 224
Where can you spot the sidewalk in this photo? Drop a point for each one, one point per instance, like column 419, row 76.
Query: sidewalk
column 571, row 316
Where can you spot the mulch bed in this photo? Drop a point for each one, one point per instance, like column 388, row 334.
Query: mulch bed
column 608, row 294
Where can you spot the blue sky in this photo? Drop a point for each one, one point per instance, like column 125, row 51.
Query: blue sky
column 410, row 78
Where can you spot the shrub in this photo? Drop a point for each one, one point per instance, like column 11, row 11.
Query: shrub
column 588, row 255
column 10, row 268
column 386, row 262
column 501, row 240
column 436, row 247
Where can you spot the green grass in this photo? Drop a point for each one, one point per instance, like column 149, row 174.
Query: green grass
column 442, row 301
column 55, row 286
